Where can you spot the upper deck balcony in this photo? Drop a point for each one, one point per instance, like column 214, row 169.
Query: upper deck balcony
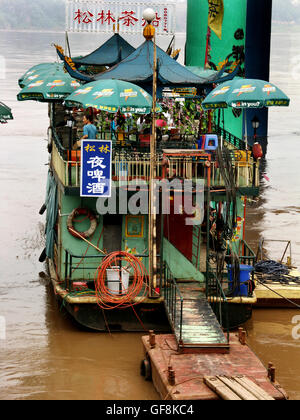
column 176, row 158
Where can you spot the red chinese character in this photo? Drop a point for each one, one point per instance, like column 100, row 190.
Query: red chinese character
column 155, row 21
column 106, row 17
column 83, row 16
column 166, row 20
column 101, row 17
column 110, row 18
column 128, row 18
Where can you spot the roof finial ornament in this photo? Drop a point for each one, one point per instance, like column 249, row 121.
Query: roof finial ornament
column 149, row 31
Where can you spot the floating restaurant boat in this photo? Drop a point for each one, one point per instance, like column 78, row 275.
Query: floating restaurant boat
column 186, row 256
column 207, row 260
column 124, row 251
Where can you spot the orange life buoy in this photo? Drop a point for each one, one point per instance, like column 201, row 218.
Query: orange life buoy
column 82, row 212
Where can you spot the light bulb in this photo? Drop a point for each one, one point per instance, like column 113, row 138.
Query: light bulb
column 149, row 15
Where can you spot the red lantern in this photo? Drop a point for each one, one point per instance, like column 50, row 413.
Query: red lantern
column 257, row 151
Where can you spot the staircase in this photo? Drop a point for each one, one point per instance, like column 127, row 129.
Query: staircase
column 193, row 321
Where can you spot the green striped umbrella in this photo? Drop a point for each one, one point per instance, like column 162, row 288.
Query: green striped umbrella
column 55, row 85
column 34, row 72
column 112, row 95
column 245, row 94
column 5, row 113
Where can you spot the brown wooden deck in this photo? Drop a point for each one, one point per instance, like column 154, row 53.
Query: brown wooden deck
column 178, row 376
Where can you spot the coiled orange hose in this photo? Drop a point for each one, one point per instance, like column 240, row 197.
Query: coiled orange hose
column 139, row 286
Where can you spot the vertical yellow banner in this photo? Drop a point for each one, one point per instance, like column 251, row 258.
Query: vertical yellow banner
column 215, row 16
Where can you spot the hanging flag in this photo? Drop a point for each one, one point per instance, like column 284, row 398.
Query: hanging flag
column 215, row 16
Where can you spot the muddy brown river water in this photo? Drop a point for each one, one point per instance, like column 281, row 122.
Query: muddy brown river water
column 43, row 356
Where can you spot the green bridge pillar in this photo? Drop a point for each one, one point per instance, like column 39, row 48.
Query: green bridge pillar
column 254, row 19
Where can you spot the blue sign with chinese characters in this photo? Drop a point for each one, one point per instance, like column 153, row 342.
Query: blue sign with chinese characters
column 96, row 168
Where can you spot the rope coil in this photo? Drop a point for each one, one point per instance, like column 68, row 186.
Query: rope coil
column 106, row 298
column 269, row 270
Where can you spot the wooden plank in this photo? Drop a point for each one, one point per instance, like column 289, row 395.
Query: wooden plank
column 221, row 389
column 243, row 393
column 256, row 390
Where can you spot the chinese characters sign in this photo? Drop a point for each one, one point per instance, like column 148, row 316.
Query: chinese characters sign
column 104, row 16
column 96, row 167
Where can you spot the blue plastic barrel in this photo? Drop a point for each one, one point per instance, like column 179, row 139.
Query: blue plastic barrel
column 245, row 273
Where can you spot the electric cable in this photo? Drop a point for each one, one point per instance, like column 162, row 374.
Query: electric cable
column 121, row 262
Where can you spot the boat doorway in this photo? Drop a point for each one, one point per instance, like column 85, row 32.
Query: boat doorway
column 112, row 233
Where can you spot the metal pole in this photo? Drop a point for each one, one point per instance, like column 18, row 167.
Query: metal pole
column 207, row 237
column 66, row 269
column 53, row 122
column 244, row 224
column 67, row 46
column 69, row 154
column 70, row 274
column 208, row 35
column 152, row 195
column 288, row 244
column 161, row 250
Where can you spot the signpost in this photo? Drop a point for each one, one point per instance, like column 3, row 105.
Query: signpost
column 103, row 16
column 96, row 168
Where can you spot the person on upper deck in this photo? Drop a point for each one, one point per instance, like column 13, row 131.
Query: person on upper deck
column 147, row 129
column 89, row 130
column 114, row 127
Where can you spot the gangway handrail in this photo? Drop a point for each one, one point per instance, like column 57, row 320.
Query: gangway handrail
column 216, row 297
column 172, row 294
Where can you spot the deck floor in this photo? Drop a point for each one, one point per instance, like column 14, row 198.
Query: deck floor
column 190, row 369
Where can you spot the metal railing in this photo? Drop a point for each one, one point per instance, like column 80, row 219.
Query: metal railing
column 134, row 140
column 217, row 299
column 173, row 300
column 246, row 254
column 88, row 263
column 287, row 249
column 63, row 152
column 134, row 163
column 230, row 139
column 135, row 166
column 73, row 262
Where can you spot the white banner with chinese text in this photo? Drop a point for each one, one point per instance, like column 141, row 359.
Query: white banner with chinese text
column 103, row 16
